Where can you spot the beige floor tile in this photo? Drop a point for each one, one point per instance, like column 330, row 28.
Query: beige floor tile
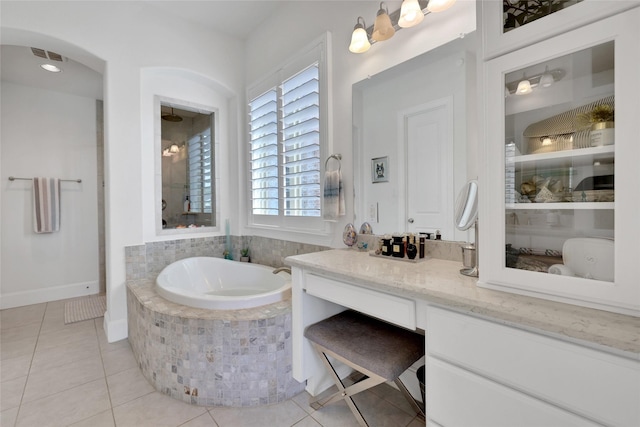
column 381, row 413
column 283, row 414
column 19, row 316
column 19, row 332
column 103, row 419
column 14, row 368
column 155, row 409
column 8, row 417
column 47, row 382
column 203, row 420
column 302, row 399
column 67, row 335
column 393, row 396
column 11, row 393
column 105, row 345
column 127, row 385
column 118, row 360
column 18, row 348
column 308, row 421
column 58, row 356
column 335, row 415
column 66, row 407
column 416, row 422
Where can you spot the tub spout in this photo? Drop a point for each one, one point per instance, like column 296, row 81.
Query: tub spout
column 279, row 269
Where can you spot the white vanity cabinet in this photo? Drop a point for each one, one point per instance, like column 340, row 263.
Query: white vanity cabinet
column 558, row 195
column 481, row 373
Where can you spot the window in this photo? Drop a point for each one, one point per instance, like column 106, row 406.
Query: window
column 287, row 140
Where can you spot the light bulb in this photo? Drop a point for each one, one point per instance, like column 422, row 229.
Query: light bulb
column 382, row 28
column 410, row 14
column 547, row 78
column 524, row 87
column 439, row 5
column 359, row 38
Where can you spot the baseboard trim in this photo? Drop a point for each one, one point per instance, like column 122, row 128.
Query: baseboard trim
column 55, row 293
column 115, row 330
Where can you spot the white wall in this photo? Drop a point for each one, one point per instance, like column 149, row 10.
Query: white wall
column 281, row 35
column 128, row 37
column 49, row 134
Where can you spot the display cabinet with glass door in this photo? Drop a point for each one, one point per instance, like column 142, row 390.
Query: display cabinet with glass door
column 562, row 132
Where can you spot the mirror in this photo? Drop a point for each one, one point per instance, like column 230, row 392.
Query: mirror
column 467, row 206
column 416, row 119
column 188, row 166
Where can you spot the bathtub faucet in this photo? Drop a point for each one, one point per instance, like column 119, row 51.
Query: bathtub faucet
column 279, row 269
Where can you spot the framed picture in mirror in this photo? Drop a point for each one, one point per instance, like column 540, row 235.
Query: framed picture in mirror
column 379, row 169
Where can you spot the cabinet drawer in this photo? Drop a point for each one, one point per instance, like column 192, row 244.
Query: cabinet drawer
column 394, row 309
column 601, row 386
column 460, row 398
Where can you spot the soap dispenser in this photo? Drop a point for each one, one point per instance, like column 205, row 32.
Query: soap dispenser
column 187, row 204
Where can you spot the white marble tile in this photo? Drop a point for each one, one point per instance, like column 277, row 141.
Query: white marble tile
column 336, row 414
column 155, row 409
column 50, row 381
column 127, row 385
column 283, row 414
column 302, row 400
column 67, row 407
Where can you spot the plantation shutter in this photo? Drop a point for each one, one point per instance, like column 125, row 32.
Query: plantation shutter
column 263, row 113
column 301, row 143
column 201, row 172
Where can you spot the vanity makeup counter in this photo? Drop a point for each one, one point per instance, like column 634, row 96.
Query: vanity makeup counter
column 549, row 361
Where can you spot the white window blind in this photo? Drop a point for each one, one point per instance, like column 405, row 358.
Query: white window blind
column 201, row 172
column 285, row 135
column 288, row 137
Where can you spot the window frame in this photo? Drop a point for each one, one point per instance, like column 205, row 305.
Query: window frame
column 316, row 51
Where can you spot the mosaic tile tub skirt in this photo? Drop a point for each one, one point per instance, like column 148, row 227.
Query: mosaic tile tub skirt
column 212, row 357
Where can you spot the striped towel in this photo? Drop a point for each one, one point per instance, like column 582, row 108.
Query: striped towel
column 333, row 195
column 46, row 205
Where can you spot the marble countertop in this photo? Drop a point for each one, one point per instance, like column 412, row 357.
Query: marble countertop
column 439, row 282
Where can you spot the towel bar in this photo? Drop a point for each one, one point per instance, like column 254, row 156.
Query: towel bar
column 13, row 178
column 338, row 157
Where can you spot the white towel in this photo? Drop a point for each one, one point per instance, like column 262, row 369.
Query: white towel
column 333, row 195
column 46, row 205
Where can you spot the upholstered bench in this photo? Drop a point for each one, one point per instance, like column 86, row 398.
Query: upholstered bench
column 377, row 349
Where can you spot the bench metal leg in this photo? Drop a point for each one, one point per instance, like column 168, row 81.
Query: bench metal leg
column 346, row 393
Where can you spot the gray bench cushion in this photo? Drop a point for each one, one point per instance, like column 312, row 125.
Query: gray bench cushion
column 380, row 347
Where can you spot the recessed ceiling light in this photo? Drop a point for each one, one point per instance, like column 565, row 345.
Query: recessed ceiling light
column 51, row 67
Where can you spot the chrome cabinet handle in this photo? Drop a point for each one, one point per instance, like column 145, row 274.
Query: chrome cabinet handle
column 410, row 220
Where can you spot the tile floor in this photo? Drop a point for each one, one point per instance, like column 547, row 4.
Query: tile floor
column 52, row 374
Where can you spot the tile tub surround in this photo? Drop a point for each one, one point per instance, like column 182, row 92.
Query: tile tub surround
column 437, row 281
column 212, row 357
column 147, row 261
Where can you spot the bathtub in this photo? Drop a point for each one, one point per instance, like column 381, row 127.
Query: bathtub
column 219, row 284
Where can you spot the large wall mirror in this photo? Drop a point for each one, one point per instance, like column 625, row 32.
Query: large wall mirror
column 416, row 120
column 187, row 152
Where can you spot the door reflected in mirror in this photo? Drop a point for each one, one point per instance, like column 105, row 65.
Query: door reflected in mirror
column 188, row 167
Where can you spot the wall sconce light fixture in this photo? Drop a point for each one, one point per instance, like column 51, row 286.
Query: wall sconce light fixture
column 359, row 38
column 411, row 13
column 526, row 85
column 382, row 28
